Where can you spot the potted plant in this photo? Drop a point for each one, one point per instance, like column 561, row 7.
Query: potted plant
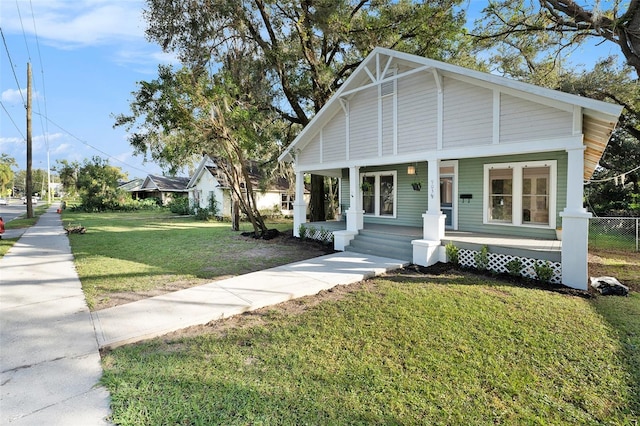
column 559, row 233
column 365, row 186
column 416, row 185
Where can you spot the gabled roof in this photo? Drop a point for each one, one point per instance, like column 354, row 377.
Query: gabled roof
column 599, row 118
column 208, row 165
column 132, row 185
column 165, row 184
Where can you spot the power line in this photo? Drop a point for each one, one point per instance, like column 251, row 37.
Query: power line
column 45, row 129
column 11, row 118
column 13, row 68
column 93, row 147
column 24, row 34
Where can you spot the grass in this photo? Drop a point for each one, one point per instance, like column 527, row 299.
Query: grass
column 404, row 349
column 143, row 253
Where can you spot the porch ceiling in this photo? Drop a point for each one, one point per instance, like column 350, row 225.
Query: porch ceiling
column 597, row 132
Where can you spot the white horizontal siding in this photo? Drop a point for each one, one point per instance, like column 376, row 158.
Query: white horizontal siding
column 311, row 153
column 363, row 124
column 417, row 113
column 521, row 119
column 468, row 114
column 334, row 139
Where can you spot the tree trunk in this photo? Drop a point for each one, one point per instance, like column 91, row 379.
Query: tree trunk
column 235, row 213
column 318, row 213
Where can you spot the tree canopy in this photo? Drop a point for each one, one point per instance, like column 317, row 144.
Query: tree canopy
column 300, row 52
column 528, row 27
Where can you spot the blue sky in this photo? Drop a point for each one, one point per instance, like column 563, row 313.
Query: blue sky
column 86, row 60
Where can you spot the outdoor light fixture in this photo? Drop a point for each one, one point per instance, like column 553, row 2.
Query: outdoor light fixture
column 411, row 170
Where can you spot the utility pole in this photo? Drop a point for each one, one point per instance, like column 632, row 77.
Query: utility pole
column 29, row 190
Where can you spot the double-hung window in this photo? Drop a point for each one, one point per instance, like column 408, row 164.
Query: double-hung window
column 379, row 193
column 520, row 193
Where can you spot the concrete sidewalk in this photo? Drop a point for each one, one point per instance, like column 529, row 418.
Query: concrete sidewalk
column 49, row 360
column 160, row 315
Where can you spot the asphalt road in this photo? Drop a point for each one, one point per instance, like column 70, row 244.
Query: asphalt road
column 13, row 210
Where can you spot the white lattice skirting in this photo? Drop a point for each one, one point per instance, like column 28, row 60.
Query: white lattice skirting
column 319, row 234
column 498, row 263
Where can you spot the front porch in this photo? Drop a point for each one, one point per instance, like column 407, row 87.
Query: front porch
column 535, row 248
column 406, row 243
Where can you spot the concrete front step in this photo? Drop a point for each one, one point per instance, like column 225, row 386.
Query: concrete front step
column 379, row 244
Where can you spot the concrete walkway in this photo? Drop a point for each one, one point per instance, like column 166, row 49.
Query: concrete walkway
column 160, row 315
column 49, row 360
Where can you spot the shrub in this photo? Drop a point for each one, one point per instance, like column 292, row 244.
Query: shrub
column 482, row 258
column 214, row 210
column 543, row 271
column 179, row 205
column 453, row 253
column 514, row 267
column 302, row 231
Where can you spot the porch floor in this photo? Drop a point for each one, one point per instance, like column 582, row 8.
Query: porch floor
column 471, row 238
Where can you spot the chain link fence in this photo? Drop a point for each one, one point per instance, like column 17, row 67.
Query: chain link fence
column 614, row 233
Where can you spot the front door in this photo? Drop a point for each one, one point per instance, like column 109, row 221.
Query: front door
column 446, row 199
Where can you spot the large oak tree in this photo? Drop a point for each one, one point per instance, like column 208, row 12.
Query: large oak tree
column 306, row 49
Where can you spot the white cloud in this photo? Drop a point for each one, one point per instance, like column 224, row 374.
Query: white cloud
column 18, row 96
column 69, row 24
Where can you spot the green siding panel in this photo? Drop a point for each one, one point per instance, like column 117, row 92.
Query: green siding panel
column 413, row 204
column 470, row 181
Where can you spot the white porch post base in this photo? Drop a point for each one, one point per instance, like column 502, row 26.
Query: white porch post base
column 433, row 226
column 341, row 239
column 575, row 249
column 426, row 252
column 299, row 217
column 355, row 220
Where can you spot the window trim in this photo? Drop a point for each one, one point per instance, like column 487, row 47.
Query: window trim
column 517, row 193
column 376, row 193
column 290, row 200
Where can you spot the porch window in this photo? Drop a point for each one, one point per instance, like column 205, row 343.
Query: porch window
column 521, row 193
column 378, row 193
column 286, row 201
column 501, row 195
column 535, row 195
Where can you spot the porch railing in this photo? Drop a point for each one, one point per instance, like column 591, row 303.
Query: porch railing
column 615, row 233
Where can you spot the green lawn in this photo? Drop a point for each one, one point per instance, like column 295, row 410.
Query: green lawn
column 404, row 349
column 124, row 256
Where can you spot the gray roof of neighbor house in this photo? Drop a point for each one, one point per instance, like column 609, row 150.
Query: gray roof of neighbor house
column 165, row 184
column 257, row 179
column 132, row 185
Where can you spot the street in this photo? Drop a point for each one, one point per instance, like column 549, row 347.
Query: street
column 13, row 210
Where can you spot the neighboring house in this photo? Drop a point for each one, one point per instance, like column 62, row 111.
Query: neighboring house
column 208, row 180
column 163, row 188
column 490, row 155
column 131, row 186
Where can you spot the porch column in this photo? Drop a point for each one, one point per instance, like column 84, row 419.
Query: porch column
column 575, row 225
column 355, row 214
column 299, row 205
column 433, row 219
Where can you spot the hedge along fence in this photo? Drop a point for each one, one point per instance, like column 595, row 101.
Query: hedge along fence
column 499, row 263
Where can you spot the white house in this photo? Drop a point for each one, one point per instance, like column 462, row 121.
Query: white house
column 208, row 180
column 489, row 156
